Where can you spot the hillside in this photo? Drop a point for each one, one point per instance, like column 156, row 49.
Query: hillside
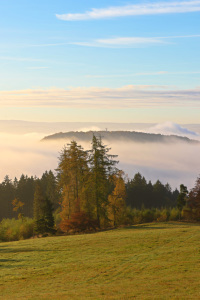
column 131, row 136
column 154, row 261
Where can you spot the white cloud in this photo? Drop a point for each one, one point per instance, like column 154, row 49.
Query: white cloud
column 130, row 41
column 131, row 96
column 170, row 128
column 122, row 42
column 133, row 10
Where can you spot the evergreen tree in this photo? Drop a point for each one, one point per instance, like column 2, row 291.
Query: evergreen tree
column 49, row 186
column 25, row 188
column 7, row 195
column 136, row 192
column 48, row 216
column 43, row 217
column 194, row 200
column 102, row 165
column 182, row 198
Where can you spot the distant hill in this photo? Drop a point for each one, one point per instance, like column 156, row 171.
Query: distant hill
column 138, row 137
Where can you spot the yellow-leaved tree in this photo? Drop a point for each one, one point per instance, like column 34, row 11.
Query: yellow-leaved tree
column 117, row 199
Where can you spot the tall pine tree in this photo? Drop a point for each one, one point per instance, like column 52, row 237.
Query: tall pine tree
column 102, row 165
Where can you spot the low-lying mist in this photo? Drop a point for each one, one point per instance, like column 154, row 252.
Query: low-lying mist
column 174, row 163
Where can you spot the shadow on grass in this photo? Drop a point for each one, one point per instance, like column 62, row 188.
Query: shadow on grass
column 9, row 263
column 7, row 260
column 9, row 250
column 139, row 227
column 170, row 225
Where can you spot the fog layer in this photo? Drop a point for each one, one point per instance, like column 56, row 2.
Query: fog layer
column 174, row 163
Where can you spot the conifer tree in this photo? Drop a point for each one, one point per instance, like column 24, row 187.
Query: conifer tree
column 48, row 216
column 43, row 218
column 194, row 200
column 49, row 186
column 102, row 165
column 182, row 198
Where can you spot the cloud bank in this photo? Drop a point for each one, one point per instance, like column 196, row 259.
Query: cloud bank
column 131, row 96
column 170, row 128
column 133, row 10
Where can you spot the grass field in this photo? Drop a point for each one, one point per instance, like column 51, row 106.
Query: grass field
column 150, row 261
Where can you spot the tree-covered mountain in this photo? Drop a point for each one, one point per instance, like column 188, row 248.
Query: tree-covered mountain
column 129, row 136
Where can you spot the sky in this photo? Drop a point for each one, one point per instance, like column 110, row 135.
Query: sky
column 105, row 61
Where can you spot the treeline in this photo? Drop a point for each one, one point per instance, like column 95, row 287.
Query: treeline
column 87, row 193
column 22, row 191
column 141, row 193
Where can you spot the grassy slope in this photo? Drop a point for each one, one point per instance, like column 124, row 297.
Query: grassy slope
column 158, row 261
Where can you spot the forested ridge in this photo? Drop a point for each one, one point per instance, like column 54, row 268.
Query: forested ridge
column 134, row 136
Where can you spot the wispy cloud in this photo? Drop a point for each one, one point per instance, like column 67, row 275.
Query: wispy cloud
column 131, row 96
column 158, row 73
column 126, row 42
column 133, row 10
column 37, row 68
column 122, row 42
column 112, row 42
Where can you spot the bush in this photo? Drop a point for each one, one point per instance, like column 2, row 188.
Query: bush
column 148, row 215
column 79, row 222
column 174, row 214
column 189, row 214
column 14, row 230
column 163, row 215
column 137, row 216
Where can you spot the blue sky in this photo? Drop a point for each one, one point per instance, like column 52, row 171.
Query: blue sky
column 121, row 61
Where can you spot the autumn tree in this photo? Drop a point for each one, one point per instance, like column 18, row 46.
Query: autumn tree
column 18, row 207
column 72, row 171
column 117, row 199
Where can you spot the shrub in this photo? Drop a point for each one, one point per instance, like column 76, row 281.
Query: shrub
column 13, row 230
column 174, row 214
column 189, row 214
column 148, row 215
column 79, row 222
column 128, row 216
column 137, row 216
column 164, row 215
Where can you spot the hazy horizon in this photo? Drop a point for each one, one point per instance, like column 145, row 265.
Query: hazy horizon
column 173, row 163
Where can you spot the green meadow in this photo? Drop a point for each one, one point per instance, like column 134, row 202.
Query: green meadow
column 149, row 261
